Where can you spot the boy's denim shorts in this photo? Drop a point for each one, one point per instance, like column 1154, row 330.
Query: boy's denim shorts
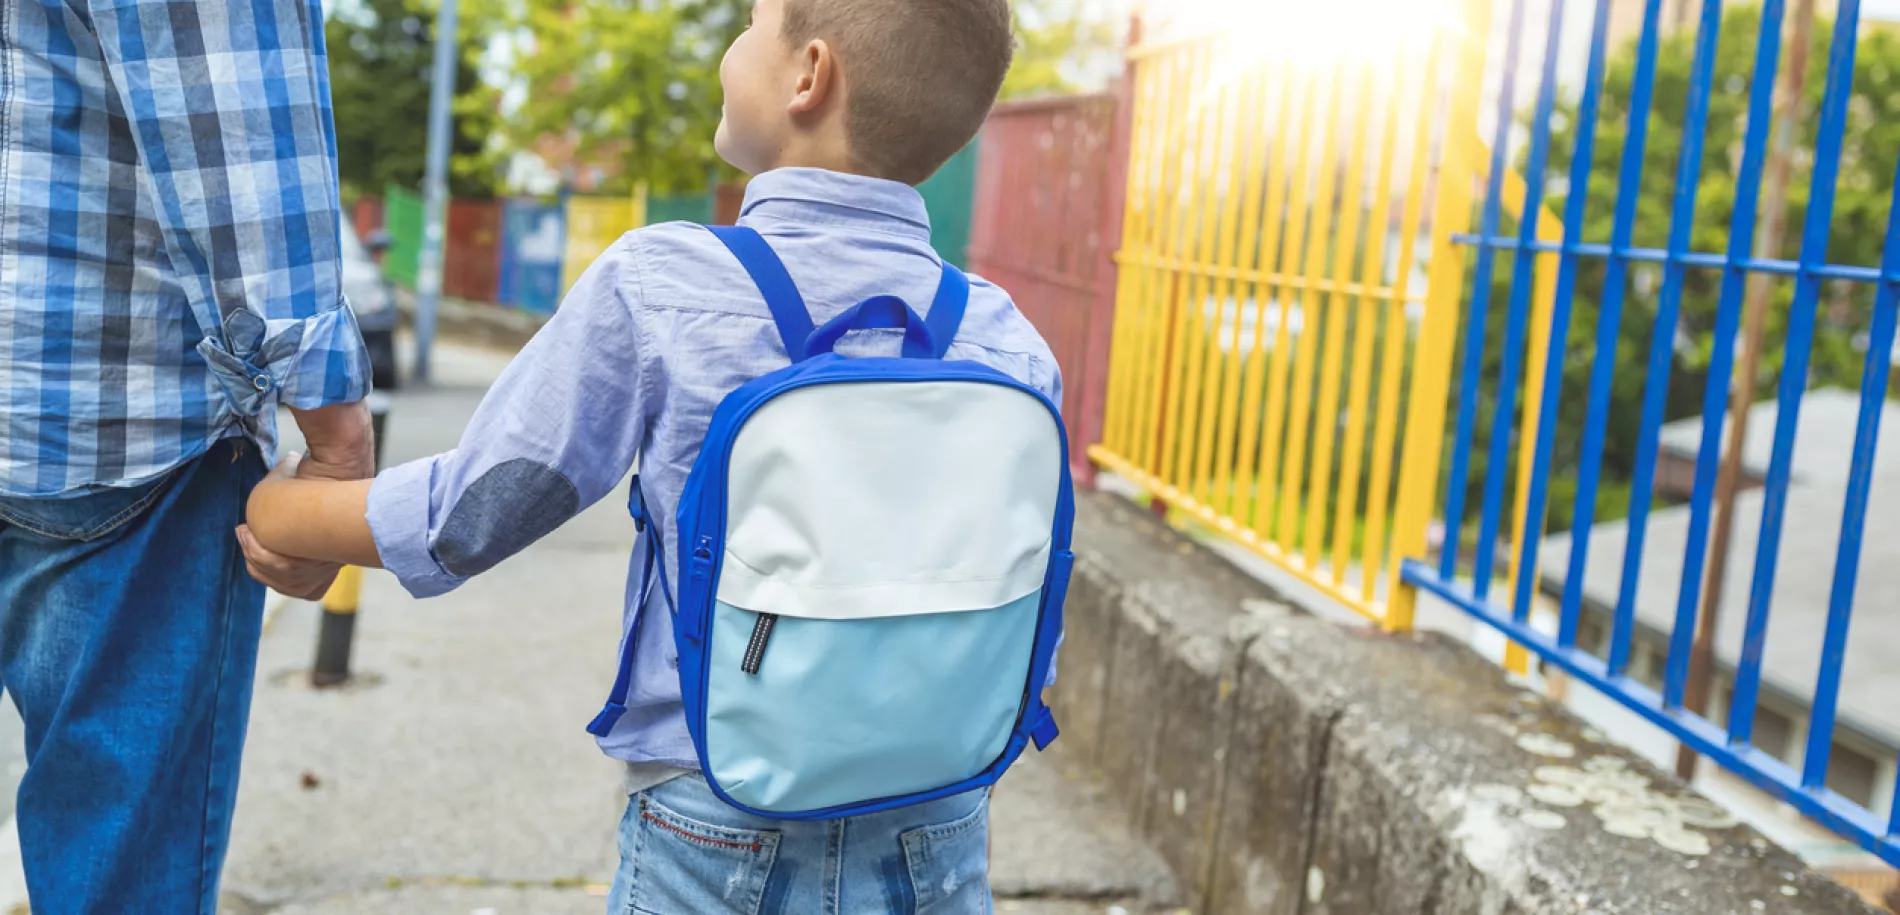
column 685, row 852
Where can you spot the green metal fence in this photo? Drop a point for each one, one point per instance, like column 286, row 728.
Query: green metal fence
column 685, row 208
column 402, row 219
column 950, row 196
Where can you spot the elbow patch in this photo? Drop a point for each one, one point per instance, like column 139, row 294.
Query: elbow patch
column 511, row 506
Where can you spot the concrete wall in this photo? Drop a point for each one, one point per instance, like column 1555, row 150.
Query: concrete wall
column 1284, row 765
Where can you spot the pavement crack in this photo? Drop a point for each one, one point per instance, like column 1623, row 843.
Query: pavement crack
column 1108, row 897
column 1315, row 804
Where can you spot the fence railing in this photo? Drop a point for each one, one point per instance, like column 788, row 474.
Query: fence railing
column 1272, row 303
column 1296, row 293
column 524, row 252
column 472, row 250
column 593, row 223
column 1048, row 196
column 1676, row 563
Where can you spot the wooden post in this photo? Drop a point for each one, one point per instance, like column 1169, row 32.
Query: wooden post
column 1742, row 390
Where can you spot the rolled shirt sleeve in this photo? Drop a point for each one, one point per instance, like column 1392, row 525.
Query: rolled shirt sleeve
column 229, row 105
column 556, row 433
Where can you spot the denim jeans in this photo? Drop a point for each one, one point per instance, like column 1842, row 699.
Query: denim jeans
column 685, row 852
column 128, row 641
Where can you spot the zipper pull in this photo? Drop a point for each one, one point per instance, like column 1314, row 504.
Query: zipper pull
column 703, row 559
column 755, row 648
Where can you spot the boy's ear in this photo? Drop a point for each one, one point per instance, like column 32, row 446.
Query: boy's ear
column 817, row 79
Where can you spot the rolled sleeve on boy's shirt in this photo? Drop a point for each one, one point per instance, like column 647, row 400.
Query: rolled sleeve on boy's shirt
column 399, row 507
column 556, row 433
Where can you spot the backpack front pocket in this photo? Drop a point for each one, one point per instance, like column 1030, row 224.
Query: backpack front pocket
column 844, row 710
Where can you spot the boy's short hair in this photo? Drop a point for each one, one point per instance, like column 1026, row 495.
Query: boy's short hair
column 923, row 74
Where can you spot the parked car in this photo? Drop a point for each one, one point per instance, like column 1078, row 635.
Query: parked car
column 373, row 301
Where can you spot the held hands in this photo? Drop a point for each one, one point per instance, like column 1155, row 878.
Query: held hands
column 306, row 519
column 306, row 579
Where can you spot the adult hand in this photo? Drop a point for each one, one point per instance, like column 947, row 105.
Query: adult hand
column 340, row 442
column 304, row 579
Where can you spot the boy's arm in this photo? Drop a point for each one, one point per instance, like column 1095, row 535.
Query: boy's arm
column 556, row 432
column 315, row 519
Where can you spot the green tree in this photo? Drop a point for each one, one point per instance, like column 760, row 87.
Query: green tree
column 380, row 60
column 1060, row 46
column 636, row 82
column 628, row 81
column 1859, row 225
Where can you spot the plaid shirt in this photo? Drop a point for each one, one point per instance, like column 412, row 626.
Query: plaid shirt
column 169, row 260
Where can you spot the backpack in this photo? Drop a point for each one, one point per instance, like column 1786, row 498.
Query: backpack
column 874, row 554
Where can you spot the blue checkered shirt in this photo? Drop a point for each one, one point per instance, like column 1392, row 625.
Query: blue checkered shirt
column 169, row 260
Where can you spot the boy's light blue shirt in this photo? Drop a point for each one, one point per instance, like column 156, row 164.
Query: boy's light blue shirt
column 654, row 335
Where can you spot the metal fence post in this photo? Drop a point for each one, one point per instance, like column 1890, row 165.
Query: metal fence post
column 1100, row 317
column 1431, row 385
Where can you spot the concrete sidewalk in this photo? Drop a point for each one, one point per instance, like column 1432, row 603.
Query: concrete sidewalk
column 456, row 778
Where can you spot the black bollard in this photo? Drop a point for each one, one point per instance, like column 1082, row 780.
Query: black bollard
column 338, row 630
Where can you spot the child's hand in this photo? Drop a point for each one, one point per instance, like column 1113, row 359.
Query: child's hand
column 300, row 578
column 265, row 508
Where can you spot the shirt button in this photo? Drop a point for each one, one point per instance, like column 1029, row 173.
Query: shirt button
column 261, row 382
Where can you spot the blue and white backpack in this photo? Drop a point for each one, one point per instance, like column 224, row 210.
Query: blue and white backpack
column 875, row 553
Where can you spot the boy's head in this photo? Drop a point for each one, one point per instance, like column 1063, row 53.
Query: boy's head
column 889, row 88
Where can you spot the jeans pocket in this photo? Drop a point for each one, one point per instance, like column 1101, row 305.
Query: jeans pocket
column 86, row 517
column 685, row 867
column 949, row 865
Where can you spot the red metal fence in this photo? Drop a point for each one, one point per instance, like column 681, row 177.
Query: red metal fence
column 727, row 201
column 366, row 216
column 1049, row 193
column 472, row 259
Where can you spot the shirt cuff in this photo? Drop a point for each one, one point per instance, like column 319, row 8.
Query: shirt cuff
column 398, row 515
column 306, row 364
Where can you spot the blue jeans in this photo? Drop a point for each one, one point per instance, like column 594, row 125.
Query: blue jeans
column 128, row 641
column 685, row 852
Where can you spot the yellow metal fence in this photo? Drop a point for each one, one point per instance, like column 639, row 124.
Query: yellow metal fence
column 593, row 223
column 1288, row 299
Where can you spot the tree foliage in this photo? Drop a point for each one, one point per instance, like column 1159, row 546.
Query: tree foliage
column 381, row 52
column 1060, row 45
column 635, row 83
column 630, row 82
column 1859, row 223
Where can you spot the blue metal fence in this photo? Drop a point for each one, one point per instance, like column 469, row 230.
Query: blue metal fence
column 1730, row 744
column 533, row 244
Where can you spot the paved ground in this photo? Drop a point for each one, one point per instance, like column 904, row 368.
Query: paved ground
column 457, row 779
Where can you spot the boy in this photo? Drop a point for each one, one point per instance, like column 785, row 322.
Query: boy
column 837, row 107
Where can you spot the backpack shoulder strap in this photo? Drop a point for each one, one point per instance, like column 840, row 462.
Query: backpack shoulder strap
column 781, row 294
column 946, row 310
